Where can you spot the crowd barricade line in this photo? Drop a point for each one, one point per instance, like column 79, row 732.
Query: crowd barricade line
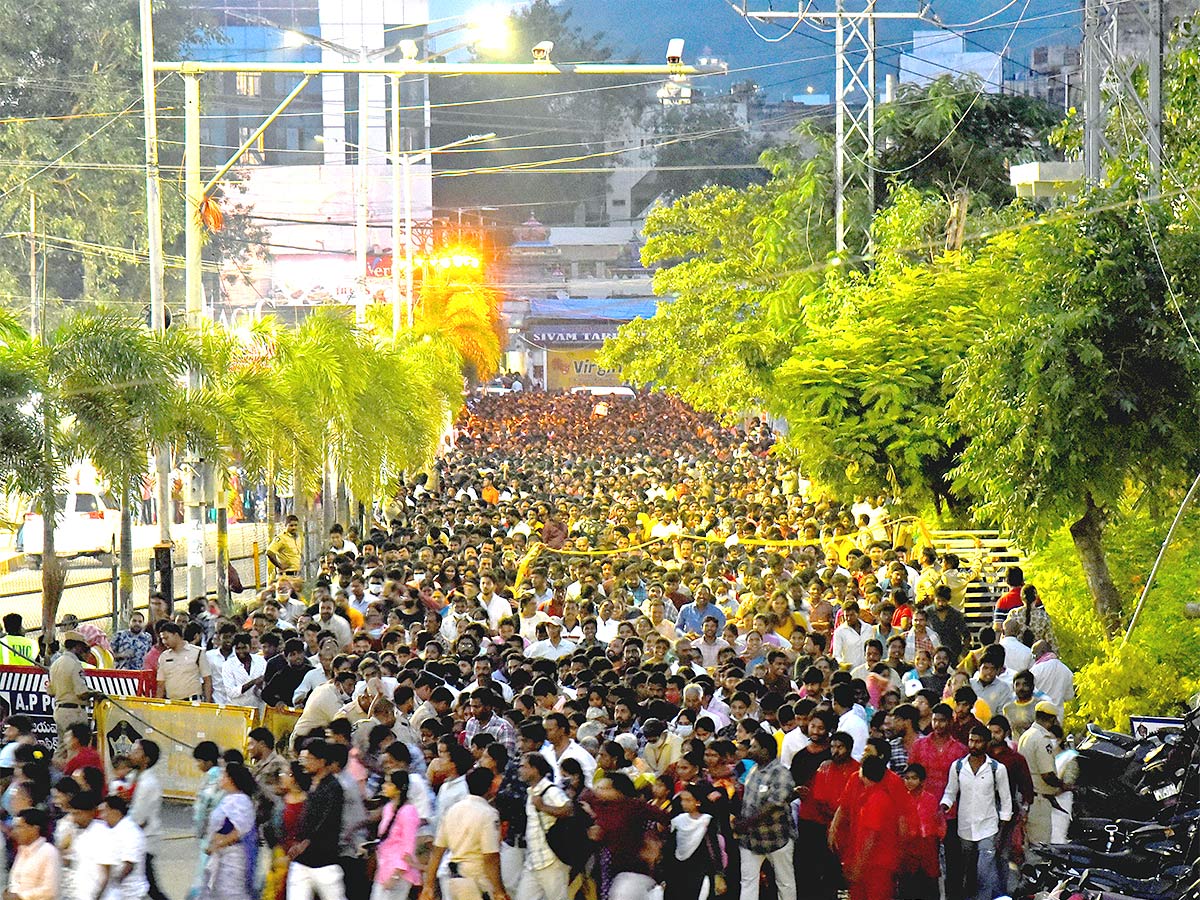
column 23, row 690
column 537, row 547
column 177, row 726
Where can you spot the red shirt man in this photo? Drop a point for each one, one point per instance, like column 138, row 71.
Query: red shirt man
column 937, row 752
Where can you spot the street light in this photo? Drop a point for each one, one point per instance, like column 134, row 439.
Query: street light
column 400, row 158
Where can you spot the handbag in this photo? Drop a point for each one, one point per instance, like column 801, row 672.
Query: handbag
column 568, row 838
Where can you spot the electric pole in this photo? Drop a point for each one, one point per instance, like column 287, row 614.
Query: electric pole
column 33, row 268
column 1112, row 33
column 854, row 46
column 158, row 308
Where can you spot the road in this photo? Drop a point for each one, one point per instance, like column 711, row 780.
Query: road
column 88, row 593
column 175, row 864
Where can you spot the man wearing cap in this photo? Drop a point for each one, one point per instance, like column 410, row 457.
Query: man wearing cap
column 554, row 648
column 1039, row 746
column 67, row 687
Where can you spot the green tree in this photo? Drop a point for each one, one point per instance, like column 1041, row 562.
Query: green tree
column 72, row 131
column 102, row 387
column 702, row 145
column 1086, row 385
column 733, row 265
column 951, row 136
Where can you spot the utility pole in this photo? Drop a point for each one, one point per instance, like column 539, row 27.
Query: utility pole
column 364, row 198
column 1112, row 31
column 398, row 160
column 33, row 267
column 193, row 245
column 158, row 308
column 855, row 127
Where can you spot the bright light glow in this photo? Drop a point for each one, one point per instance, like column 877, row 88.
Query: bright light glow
column 294, row 40
column 488, row 27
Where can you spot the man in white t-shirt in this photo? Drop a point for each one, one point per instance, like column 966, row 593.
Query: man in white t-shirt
column 127, row 852
column 90, row 849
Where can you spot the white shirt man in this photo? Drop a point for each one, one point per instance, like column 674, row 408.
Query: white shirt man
column 1017, row 657
column 91, row 853
column 793, row 742
column 983, row 796
column 554, row 648
column 127, row 848
column 856, row 726
column 235, row 677
column 1053, row 678
column 848, row 642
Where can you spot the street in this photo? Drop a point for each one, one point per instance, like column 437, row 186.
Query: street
column 175, row 864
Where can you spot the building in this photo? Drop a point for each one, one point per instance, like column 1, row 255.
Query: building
column 566, row 289
column 939, row 53
column 299, row 182
column 1055, row 75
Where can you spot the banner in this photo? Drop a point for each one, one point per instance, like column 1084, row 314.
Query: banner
column 176, row 726
column 23, row 692
column 566, row 369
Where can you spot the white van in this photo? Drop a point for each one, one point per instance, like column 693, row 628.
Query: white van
column 89, row 521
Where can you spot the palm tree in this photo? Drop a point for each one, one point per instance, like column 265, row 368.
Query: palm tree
column 101, row 387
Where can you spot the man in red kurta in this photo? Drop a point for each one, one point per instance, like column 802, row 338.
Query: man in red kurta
column 871, row 847
column 818, row 805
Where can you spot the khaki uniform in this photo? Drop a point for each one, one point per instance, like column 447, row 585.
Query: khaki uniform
column 67, row 687
column 1039, row 747
column 469, row 831
column 287, row 549
column 182, row 672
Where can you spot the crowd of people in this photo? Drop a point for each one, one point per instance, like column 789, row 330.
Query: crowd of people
column 604, row 653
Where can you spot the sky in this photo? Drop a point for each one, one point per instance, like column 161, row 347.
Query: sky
column 640, row 29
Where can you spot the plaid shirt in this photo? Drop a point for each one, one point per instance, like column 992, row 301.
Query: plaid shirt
column 499, row 728
column 770, row 785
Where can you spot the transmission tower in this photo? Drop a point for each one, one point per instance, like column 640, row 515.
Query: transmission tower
column 854, row 39
column 1119, row 36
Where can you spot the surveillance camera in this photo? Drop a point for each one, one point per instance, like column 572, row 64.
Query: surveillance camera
column 408, row 49
column 542, row 51
column 675, row 51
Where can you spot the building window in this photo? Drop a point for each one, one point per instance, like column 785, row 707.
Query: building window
column 249, row 84
column 254, row 153
column 293, row 138
column 618, row 203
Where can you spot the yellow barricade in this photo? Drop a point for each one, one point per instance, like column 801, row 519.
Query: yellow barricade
column 281, row 723
column 176, row 726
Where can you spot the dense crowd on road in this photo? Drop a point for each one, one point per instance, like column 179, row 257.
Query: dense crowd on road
column 612, row 648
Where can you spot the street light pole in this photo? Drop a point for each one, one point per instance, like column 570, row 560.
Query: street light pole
column 363, row 204
column 193, row 245
column 154, row 246
column 397, row 158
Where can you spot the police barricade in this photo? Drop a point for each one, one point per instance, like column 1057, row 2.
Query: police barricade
column 23, row 692
column 177, row 726
column 281, row 723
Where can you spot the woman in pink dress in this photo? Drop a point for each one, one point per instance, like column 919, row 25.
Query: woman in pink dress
column 397, row 871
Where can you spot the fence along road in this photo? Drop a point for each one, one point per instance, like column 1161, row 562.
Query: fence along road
column 89, row 589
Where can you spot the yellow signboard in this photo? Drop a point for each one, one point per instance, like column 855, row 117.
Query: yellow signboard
column 566, row 369
column 176, row 727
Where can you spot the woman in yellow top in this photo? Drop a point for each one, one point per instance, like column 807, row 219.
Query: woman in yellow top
column 786, row 619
